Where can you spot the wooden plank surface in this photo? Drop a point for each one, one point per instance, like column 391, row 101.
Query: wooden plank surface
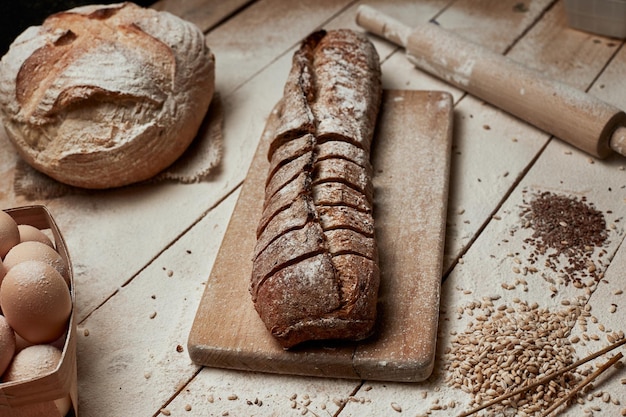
column 501, row 141
column 133, row 244
column 256, row 37
column 216, row 387
column 205, row 14
column 410, row 156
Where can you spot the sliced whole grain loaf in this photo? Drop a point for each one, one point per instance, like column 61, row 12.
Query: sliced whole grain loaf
column 315, row 265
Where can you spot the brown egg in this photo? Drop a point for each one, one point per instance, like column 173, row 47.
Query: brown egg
column 35, row 301
column 7, row 344
column 3, row 272
column 31, row 233
column 37, row 251
column 9, row 233
column 21, row 343
column 35, row 361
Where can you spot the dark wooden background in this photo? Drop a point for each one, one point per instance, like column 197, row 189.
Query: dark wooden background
column 16, row 16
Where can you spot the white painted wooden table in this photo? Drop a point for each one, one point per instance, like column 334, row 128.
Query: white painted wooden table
column 142, row 254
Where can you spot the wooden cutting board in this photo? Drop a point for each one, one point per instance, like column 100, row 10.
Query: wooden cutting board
column 411, row 159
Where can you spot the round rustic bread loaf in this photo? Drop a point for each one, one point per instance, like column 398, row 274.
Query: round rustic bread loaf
column 102, row 96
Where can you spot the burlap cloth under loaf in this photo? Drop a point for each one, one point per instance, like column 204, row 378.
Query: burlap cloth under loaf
column 195, row 165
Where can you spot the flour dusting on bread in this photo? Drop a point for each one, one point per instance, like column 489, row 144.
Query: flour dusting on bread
column 105, row 95
column 315, row 268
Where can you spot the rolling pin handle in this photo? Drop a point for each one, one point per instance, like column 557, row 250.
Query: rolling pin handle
column 487, row 75
column 618, row 140
column 382, row 25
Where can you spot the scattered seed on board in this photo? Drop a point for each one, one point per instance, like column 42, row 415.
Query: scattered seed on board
column 396, row 407
column 521, row 336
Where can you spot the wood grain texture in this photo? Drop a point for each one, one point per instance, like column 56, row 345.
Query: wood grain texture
column 264, row 31
column 411, row 163
column 204, row 14
column 546, row 103
column 126, row 243
column 503, row 143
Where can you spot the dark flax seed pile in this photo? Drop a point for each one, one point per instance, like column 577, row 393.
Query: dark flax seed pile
column 566, row 232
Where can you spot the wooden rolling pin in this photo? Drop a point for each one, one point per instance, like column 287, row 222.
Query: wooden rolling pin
column 572, row 115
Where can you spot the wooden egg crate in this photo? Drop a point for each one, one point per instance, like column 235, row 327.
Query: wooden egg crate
column 35, row 397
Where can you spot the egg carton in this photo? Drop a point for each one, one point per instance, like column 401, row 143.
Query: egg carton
column 35, row 397
column 602, row 17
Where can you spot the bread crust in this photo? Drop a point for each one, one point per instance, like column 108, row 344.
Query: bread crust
column 105, row 95
column 315, row 265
